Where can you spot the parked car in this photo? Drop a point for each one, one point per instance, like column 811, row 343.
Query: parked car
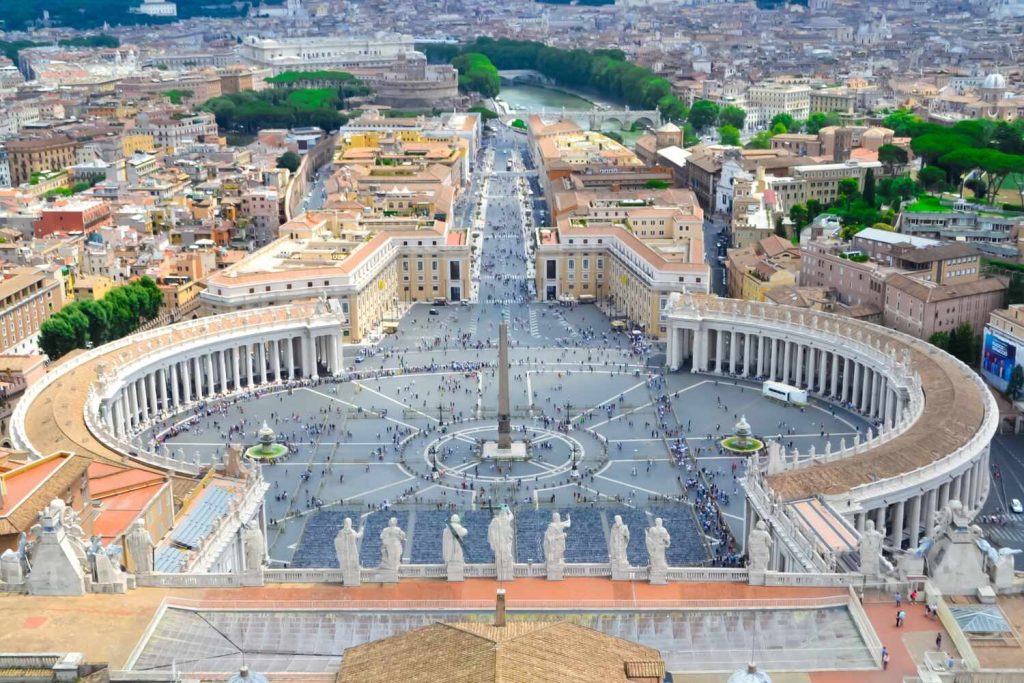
column 432, row 311
column 1015, row 506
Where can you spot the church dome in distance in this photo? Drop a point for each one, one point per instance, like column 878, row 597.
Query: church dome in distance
column 994, row 82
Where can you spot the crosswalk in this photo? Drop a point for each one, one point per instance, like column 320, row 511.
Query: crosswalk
column 512, row 301
column 534, row 324
column 1010, row 535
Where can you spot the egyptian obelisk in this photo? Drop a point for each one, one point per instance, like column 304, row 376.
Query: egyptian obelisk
column 504, row 423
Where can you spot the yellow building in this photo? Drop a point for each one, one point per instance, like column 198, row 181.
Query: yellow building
column 626, row 251
column 92, row 287
column 755, row 270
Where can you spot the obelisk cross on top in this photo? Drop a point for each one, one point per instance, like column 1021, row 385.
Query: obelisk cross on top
column 504, row 424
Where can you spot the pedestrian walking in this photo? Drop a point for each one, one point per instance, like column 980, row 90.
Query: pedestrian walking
column 899, row 598
column 900, row 618
column 938, row 640
column 913, row 597
column 885, row 658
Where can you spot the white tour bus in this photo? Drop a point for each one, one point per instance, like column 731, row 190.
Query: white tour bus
column 785, row 393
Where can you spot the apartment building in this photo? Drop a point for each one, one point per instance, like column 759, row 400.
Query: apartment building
column 28, row 297
column 261, row 209
column 175, row 130
column 73, row 216
column 754, row 270
column 914, row 285
column 627, row 254
column 765, row 100
column 335, row 254
column 38, row 154
column 990, row 230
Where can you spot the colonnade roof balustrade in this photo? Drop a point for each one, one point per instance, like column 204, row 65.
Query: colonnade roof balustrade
column 959, row 412
column 51, row 415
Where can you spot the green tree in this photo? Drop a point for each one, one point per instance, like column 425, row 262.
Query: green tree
column 732, row 115
column 931, row 177
column 98, row 315
column 847, row 191
column 703, row 114
column 891, row 156
column 655, row 184
column 785, row 120
column 818, row 120
column 289, row 160
column 940, row 339
column 57, row 337
column 869, row 187
column 729, row 135
column 963, row 344
column 798, row 214
column 762, row 140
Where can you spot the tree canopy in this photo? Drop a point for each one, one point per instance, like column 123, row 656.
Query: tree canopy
column 118, row 313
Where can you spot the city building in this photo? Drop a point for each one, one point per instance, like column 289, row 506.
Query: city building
column 73, row 216
column 754, row 270
column 990, row 230
column 627, row 254
column 766, row 100
column 913, row 285
column 28, row 297
column 371, row 269
column 1003, row 345
column 27, row 156
column 326, row 52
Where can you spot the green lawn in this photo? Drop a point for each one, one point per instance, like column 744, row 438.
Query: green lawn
column 311, row 99
column 926, row 203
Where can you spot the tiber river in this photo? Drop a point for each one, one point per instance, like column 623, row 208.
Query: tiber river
column 532, row 98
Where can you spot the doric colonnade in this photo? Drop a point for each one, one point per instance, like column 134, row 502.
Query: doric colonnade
column 245, row 362
column 101, row 398
column 854, row 364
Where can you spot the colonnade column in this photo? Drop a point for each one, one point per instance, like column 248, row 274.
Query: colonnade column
column 823, row 372
column 913, row 528
column 774, row 361
column 798, row 379
column 835, row 375
column 275, row 360
column 222, row 367
column 186, row 382
column 929, row 511
column 896, row 533
column 719, row 350
column 847, row 380
column 151, row 394
column 208, row 362
column 161, row 383
column 174, row 385
column 787, row 352
column 249, row 374
column 733, row 358
column 289, row 357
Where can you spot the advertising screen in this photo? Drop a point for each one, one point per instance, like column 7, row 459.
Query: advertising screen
column 998, row 357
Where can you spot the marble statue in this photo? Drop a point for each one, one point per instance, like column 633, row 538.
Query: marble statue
column 759, row 548
column 453, row 548
column 870, row 549
column 1000, row 564
column 657, row 540
column 346, row 547
column 105, row 571
column 501, row 537
column 10, row 568
column 554, row 539
column 618, row 539
column 391, row 540
column 140, row 547
column 254, row 545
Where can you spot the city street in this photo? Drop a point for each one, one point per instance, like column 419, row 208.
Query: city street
column 1007, row 483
